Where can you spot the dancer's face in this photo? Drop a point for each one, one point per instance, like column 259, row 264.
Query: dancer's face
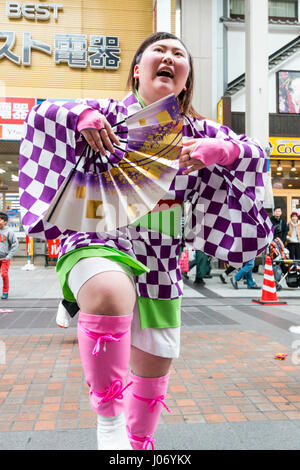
column 162, row 70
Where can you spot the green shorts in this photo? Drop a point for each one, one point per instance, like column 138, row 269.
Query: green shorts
column 153, row 313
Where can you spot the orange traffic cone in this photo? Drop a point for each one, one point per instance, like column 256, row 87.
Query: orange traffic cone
column 269, row 294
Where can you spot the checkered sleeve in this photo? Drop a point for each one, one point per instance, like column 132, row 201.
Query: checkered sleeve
column 227, row 218
column 47, row 155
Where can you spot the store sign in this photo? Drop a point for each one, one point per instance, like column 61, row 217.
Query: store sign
column 220, row 111
column 285, row 147
column 32, row 11
column 72, row 49
column 53, row 248
column 13, row 111
column 76, row 50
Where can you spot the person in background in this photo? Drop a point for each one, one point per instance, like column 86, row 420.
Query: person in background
column 8, row 246
column 293, row 236
column 246, row 272
column 223, row 276
column 201, row 261
column 281, row 228
column 208, row 275
column 230, row 269
column 184, row 262
column 278, row 253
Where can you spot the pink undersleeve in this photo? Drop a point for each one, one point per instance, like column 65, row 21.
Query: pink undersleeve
column 221, row 152
column 89, row 119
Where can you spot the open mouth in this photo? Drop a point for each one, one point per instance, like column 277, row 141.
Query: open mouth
column 165, row 73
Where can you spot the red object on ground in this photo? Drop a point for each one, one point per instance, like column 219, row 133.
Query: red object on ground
column 280, row 356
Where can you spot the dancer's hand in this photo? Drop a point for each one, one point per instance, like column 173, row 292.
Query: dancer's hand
column 99, row 134
column 186, row 160
column 199, row 153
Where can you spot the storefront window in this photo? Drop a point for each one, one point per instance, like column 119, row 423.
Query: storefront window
column 285, row 174
column 286, row 185
column 287, row 9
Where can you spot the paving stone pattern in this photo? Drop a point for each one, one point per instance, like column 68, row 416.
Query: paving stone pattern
column 226, row 389
column 224, row 375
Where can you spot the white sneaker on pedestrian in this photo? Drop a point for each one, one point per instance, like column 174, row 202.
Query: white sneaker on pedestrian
column 111, row 433
column 63, row 319
column 295, row 329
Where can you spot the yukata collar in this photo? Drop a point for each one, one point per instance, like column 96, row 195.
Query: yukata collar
column 132, row 103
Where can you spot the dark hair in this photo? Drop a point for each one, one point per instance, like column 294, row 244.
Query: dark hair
column 294, row 213
column 185, row 96
column 3, row 216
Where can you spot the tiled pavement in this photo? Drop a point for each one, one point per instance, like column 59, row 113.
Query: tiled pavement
column 226, row 389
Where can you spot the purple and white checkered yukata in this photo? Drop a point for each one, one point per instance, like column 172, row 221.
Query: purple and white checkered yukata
column 226, row 218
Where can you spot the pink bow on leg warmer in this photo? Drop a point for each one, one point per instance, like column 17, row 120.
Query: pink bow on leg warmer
column 143, row 406
column 104, row 344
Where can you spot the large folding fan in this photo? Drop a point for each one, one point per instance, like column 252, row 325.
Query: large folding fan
column 103, row 194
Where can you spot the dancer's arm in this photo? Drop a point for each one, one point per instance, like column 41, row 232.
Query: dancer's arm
column 89, row 124
column 198, row 153
column 217, row 144
column 48, row 153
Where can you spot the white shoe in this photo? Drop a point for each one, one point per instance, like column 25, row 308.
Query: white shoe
column 295, row 329
column 63, row 319
column 111, row 433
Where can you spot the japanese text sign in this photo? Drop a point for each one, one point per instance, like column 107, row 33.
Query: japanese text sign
column 14, row 110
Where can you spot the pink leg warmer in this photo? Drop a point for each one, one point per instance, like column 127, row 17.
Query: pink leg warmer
column 143, row 406
column 104, row 344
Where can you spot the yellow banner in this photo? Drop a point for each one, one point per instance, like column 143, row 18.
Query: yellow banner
column 285, row 147
column 31, row 246
column 220, row 111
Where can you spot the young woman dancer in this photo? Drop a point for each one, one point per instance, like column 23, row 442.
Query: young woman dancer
column 128, row 283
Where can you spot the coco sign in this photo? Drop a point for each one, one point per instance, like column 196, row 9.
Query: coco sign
column 285, row 147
